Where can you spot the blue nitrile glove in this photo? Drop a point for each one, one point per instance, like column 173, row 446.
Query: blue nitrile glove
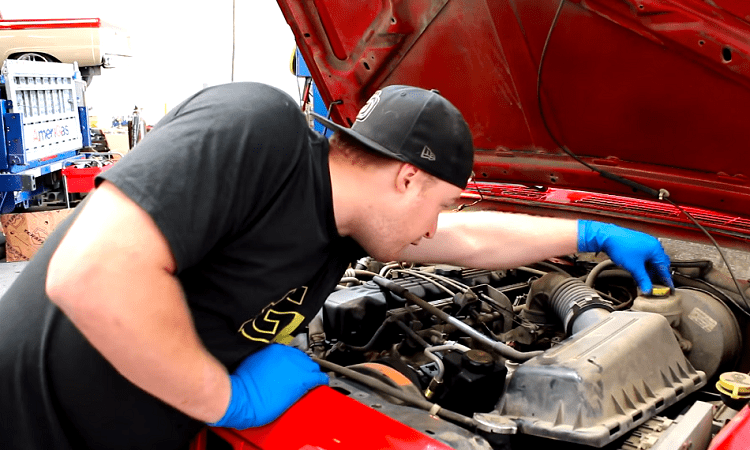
column 267, row 383
column 635, row 251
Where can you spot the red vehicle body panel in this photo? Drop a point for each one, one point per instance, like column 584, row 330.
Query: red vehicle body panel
column 736, row 435
column 28, row 24
column 325, row 419
column 657, row 217
column 655, row 91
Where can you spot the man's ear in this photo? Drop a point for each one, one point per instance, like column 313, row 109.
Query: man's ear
column 405, row 177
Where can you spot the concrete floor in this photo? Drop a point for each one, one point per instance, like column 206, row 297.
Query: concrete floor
column 8, row 273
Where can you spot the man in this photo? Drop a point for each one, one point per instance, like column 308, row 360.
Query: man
column 220, row 236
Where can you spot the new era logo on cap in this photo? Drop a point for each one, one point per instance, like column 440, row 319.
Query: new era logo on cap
column 428, row 154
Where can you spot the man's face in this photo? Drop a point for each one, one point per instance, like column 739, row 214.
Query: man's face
column 407, row 219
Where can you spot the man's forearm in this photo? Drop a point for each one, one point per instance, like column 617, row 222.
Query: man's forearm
column 495, row 240
column 150, row 339
column 123, row 296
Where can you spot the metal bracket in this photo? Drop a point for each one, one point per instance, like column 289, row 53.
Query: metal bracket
column 17, row 182
column 14, row 139
column 83, row 118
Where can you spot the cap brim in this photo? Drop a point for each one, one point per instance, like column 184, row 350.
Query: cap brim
column 367, row 142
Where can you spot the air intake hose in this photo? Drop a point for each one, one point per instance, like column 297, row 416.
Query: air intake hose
column 577, row 305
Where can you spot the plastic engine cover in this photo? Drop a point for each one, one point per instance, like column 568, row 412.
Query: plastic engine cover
column 602, row 382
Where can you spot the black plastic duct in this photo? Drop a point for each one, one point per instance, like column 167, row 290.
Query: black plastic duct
column 577, row 305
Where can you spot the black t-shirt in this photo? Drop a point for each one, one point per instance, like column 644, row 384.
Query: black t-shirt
column 239, row 186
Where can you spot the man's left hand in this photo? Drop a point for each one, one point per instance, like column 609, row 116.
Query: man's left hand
column 635, row 251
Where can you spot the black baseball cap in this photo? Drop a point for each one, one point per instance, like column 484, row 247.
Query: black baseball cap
column 417, row 126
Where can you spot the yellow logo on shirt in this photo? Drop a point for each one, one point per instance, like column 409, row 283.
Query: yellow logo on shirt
column 277, row 321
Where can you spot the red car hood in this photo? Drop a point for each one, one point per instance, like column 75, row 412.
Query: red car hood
column 656, row 92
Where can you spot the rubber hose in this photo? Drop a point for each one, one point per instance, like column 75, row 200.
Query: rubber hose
column 397, row 393
column 577, row 305
column 375, row 337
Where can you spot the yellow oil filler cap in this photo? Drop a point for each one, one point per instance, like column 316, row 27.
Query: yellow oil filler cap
column 660, row 291
column 734, row 388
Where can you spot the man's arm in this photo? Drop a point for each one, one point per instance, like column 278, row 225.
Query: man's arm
column 113, row 276
column 495, row 240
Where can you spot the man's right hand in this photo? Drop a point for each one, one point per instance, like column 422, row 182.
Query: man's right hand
column 267, row 383
column 632, row 250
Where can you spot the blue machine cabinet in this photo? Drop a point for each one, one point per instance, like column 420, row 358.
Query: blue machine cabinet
column 44, row 126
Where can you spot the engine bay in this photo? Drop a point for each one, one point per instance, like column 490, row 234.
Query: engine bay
column 564, row 353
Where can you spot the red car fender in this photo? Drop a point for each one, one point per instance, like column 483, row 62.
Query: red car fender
column 735, row 435
column 326, row 419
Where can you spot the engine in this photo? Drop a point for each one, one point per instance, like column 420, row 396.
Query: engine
column 565, row 351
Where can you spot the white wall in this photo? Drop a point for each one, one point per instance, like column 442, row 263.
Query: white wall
column 177, row 49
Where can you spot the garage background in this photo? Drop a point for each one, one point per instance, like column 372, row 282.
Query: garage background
column 177, row 49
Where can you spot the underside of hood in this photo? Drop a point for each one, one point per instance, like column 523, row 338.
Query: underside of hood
column 567, row 95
